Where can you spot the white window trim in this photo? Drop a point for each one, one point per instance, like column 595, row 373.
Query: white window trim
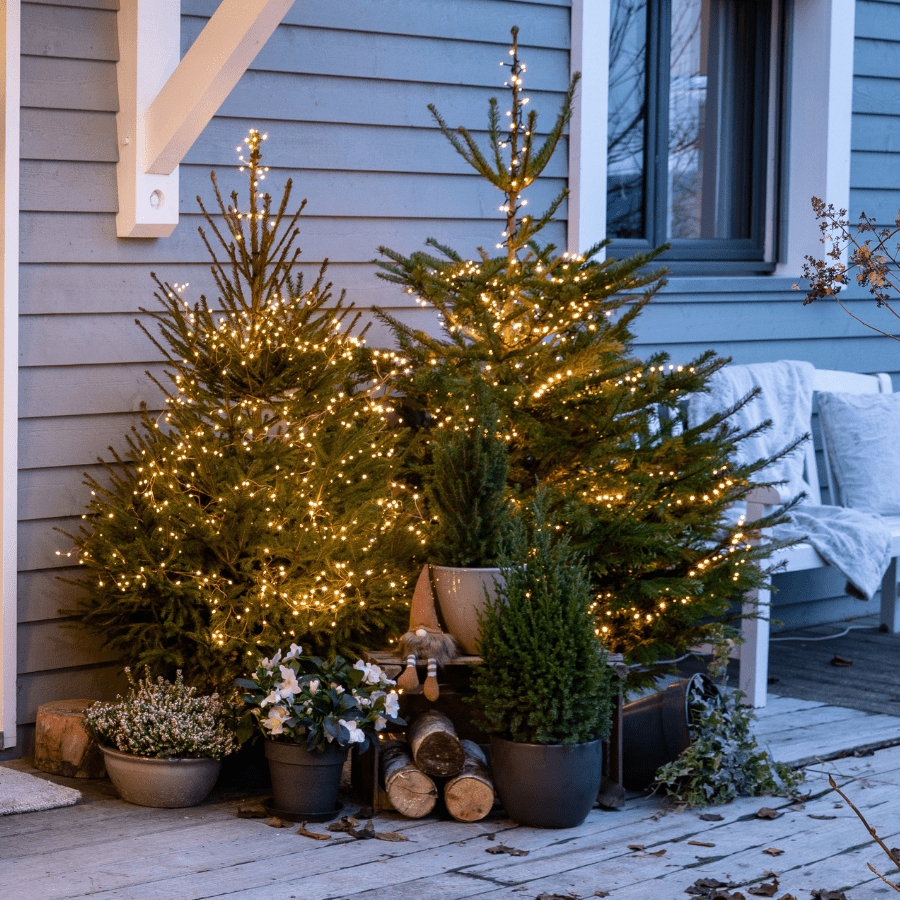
column 819, row 105
column 9, row 360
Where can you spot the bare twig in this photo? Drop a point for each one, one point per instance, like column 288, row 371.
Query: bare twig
column 871, row 831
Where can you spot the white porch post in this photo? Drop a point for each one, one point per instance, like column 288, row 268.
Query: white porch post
column 9, row 359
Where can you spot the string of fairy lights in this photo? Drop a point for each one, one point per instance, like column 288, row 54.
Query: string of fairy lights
column 484, row 301
column 295, row 460
column 530, row 300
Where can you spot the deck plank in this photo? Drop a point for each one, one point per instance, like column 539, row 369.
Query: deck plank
column 109, row 850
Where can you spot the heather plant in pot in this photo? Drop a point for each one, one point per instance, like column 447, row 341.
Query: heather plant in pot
column 544, row 688
column 310, row 712
column 163, row 744
column 465, row 492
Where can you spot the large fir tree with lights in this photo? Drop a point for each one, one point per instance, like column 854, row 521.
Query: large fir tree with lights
column 257, row 510
column 641, row 495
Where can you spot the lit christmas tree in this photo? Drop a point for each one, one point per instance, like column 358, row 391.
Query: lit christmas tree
column 642, row 497
column 258, row 509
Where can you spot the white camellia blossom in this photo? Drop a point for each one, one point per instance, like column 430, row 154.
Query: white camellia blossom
column 269, row 664
column 293, row 652
column 314, row 686
column 275, row 721
column 289, row 684
column 274, row 697
column 372, row 674
column 357, row 736
column 392, row 704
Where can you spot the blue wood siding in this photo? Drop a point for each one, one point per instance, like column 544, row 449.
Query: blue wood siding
column 342, row 89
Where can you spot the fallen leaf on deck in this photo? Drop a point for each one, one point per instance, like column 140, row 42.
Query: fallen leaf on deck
column 556, row 897
column 814, row 816
column 312, row 834
column 365, row 812
column 838, row 805
column 251, row 812
column 701, row 844
column 773, row 851
column 841, row 661
column 502, row 848
column 346, row 823
column 655, row 853
column 822, row 894
column 764, row 889
column 601, row 893
column 389, row 836
column 276, row 822
column 637, row 846
column 711, row 817
column 895, row 853
column 766, row 812
column 704, row 885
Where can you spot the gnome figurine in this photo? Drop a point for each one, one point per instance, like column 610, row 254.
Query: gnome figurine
column 425, row 640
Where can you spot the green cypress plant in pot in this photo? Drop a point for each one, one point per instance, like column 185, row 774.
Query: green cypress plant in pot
column 465, row 492
column 544, row 688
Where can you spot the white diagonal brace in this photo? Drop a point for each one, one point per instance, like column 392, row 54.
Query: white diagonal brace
column 164, row 104
column 205, row 76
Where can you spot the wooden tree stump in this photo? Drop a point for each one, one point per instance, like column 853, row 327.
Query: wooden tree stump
column 435, row 746
column 62, row 744
column 470, row 794
column 410, row 790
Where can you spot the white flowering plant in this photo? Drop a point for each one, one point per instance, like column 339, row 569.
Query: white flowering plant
column 299, row 699
column 164, row 719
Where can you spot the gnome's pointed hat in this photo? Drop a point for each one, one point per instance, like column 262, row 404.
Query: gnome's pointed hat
column 423, row 609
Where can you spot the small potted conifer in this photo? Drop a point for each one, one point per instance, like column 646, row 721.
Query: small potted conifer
column 465, row 488
column 544, row 688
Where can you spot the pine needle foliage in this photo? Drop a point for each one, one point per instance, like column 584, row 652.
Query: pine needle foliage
column 466, row 487
column 258, row 506
column 642, row 495
column 544, row 677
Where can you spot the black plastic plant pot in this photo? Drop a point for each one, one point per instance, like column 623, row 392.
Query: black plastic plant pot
column 655, row 730
column 547, row 785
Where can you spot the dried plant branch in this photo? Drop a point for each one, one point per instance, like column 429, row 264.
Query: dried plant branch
column 871, row 831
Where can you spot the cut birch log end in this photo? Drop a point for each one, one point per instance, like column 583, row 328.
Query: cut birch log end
column 409, row 789
column 435, row 746
column 469, row 796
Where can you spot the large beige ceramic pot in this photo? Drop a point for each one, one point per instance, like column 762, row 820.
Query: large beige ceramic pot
column 461, row 595
column 167, row 783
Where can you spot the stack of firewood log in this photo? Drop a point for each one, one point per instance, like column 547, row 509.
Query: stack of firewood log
column 414, row 770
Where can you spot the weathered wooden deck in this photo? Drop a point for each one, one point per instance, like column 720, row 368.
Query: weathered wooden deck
column 106, row 849
column 800, row 666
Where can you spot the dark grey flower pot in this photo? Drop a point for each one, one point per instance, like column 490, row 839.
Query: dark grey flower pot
column 305, row 782
column 655, row 731
column 547, row 785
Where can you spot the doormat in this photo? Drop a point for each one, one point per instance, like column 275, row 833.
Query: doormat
column 20, row 792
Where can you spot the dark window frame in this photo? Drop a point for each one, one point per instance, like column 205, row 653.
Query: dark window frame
column 707, row 255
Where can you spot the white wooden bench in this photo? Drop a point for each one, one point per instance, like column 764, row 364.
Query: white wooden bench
column 754, row 652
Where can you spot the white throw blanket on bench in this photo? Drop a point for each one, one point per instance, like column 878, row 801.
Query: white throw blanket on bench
column 855, row 543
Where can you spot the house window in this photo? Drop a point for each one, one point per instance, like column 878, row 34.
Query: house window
column 689, row 123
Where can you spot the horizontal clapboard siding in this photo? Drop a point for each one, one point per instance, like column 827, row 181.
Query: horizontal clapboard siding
column 342, row 90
